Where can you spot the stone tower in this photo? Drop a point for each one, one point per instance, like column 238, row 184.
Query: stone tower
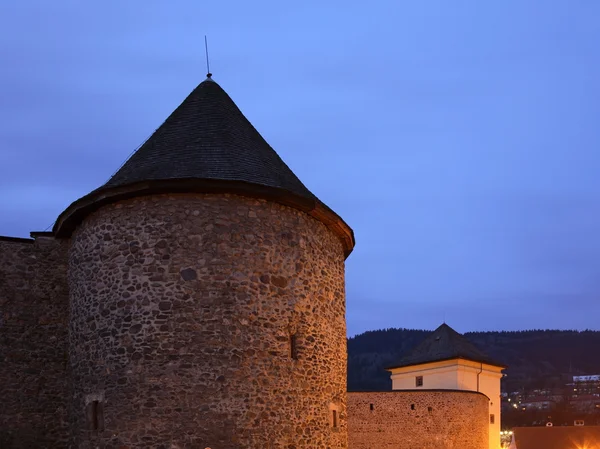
column 446, row 360
column 207, row 304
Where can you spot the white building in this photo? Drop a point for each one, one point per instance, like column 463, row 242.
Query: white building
column 448, row 361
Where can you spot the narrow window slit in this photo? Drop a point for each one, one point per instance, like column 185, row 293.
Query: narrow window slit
column 293, row 347
column 95, row 416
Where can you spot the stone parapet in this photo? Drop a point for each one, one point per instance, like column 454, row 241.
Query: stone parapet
column 423, row 419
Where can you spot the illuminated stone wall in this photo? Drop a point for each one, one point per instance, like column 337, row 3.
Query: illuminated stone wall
column 184, row 311
column 418, row 420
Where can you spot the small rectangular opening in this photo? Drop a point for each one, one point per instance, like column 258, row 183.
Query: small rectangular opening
column 95, row 416
column 419, row 381
column 335, row 418
column 371, row 407
column 492, row 419
column 412, row 406
column 293, row 347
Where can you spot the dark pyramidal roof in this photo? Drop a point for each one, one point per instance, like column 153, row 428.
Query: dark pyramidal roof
column 444, row 344
column 208, row 146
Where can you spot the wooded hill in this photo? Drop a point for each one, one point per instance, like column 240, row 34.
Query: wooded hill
column 535, row 358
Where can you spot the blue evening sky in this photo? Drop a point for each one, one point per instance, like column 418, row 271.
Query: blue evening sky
column 460, row 139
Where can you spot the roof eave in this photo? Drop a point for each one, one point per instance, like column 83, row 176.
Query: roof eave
column 79, row 209
column 6, row 238
column 445, row 359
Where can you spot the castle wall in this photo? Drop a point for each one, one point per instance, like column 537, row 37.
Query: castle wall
column 185, row 309
column 418, row 419
column 33, row 336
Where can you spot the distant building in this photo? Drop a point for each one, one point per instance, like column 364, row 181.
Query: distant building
column 566, row 437
column 583, row 385
column 538, row 403
column 585, row 403
column 446, row 360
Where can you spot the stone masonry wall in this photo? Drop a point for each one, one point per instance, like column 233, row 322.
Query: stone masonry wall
column 33, row 336
column 433, row 419
column 184, row 312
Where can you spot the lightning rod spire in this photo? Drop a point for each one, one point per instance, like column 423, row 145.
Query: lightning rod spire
column 208, row 74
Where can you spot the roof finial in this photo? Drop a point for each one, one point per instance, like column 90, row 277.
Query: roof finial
column 208, row 74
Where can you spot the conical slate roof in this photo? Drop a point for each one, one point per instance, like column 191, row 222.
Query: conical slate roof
column 208, row 137
column 444, row 344
column 206, row 146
